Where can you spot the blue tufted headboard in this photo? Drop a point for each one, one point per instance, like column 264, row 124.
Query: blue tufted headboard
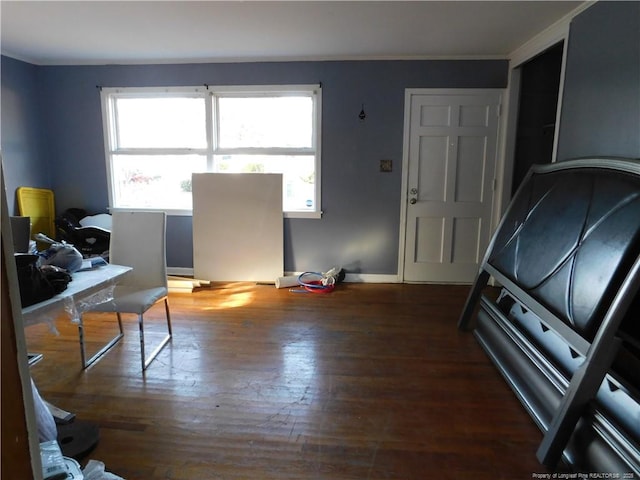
column 568, row 251
column 569, row 238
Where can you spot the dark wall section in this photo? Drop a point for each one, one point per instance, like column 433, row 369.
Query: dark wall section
column 601, row 101
column 539, row 87
column 24, row 156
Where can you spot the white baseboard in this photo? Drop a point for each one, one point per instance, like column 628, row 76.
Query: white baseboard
column 349, row 277
column 363, row 277
column 370, row 278
column 180, row 271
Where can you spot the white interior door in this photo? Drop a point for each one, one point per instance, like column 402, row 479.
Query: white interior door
column 450, row 160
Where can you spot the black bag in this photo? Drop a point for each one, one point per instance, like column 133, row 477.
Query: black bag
column 57, row 277
column 33, row 283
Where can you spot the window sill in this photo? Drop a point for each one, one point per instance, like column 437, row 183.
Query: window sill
column 303, row 214
column 189, row 213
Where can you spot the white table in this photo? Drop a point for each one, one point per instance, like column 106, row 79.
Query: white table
column 85, row 289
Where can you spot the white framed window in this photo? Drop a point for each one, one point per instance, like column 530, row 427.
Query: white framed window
column 155, row 138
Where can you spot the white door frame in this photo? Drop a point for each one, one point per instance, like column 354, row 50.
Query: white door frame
column 409, row 93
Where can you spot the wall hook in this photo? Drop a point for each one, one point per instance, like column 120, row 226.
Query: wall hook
column 362, row 115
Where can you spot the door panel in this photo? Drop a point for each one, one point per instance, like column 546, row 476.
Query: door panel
column 452, row 144
column 430, row 234
column 431, row 186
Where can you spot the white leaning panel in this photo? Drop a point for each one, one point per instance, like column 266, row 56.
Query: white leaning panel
column 238, row 227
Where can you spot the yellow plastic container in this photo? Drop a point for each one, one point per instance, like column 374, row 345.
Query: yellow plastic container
column 38, row 204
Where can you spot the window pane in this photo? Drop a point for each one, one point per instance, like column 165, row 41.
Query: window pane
column 161, row 122
column 155, row 181
column 298, row 175
column 265, row 122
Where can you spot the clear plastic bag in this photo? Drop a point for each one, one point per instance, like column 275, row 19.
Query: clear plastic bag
column 60, row 254
column 95, row 470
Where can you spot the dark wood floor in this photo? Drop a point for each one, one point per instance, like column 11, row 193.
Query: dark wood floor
column 368, row 382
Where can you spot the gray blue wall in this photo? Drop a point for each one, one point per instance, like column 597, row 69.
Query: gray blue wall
column 51, row 131
column 601, row 101
column 360, row 225
column 21, row 136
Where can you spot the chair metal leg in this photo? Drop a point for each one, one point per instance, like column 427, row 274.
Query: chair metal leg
column 146, row 360
column 83, row 354
column 141, row 328
column 166, row 309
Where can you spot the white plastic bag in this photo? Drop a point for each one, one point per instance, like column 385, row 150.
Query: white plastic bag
column 59, row 254
column 47, row 430
column 95, row 471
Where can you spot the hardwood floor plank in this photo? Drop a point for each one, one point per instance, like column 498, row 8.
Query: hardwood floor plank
column 369, row 382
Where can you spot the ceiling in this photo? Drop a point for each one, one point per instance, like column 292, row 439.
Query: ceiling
column 116, row 32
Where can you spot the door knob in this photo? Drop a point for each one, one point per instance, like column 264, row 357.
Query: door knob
column 413, row 201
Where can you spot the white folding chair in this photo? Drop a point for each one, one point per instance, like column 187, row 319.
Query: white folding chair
column 137, row 240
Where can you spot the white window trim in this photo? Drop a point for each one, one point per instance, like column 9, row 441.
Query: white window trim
column 106, row 93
